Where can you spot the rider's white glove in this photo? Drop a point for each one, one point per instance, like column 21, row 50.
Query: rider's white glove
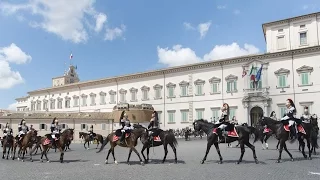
column 123, row 130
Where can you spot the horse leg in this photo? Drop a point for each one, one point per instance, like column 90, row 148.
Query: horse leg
column 42, row 153
column 110, row 150
column 61, row 154
column 282, row 143
column 309, row 148
column 265, row 141
column 142, row 150
column 23, row 153
column 242, row 151
column 175, row 152
column 135, row 150
column 252, row 147
column 261, row 139
column 302, row 145
column 286, row 149
column 165, row 146
column 130, row 151
column 4, row 151
column 148, row 151
column 277, row 147
column 97, row 144
column 84, row 145
column 209, row 144
column 30, row 154
column 8, row 152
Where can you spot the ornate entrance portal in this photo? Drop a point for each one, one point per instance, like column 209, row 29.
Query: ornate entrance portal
column 255, row 113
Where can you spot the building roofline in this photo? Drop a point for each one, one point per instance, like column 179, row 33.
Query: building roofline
column 176, row 69
column 287, row 20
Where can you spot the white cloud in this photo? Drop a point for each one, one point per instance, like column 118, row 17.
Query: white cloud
column 13, row 106
column 181, row 56
column 188, row 26
column 11, row 54
column 305, row 7
column 236, row 12
column 203, row 28
column 177, row 56
column 66, row 19
column 115, row 33
column 100, row 20
column 221, row 7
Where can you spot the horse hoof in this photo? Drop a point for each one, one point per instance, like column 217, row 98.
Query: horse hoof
column 278, row 161
column 116, row 162
column 305, row 156
column 219, row 162
column 48, row 161
column 22, row 160
column 176, row 162
column 41, row 160
column 18, row 159
column 238, row 162
column 201, row 162
column 31, row 160
column 257, row 162
column 292, row 159
column 310, row 158
column 142, row 163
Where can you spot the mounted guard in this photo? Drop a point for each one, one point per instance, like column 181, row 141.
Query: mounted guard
column 153, row 127
column 91, row 133
column 6, row 131
column 224, row 121
column 273, row 115
column 22, row 129
column 306, row 116
column 55, row 131
column 290, row 118
column 126, row 126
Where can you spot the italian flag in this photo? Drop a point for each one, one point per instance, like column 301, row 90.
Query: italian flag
column 251, row 70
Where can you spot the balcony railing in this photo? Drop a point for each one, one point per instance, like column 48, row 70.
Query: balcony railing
column 256, row 91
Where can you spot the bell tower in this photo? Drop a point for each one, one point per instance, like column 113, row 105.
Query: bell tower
column 69, row 77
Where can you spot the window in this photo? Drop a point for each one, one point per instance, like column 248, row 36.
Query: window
column 304, row 73
column 282, row 81
column 103, row 126
column 281, row 42
column 184, row 88
column 280, row 30
column 184, row 115
column 39, row 105
column 231, row 86
column 52, row 104
column 200, row 113
column 102, row 98
column 282, row 111
column 214, row 83
column 84, row 100
column 199, row 87
column 160, row 116
column 145, row 93
column 45, row 104
column 123, row 94
column 75, row 101
column 92, row 99
column 83, row 127
column 309, row 105
column 64, row 126
column 171, row 115
column 304, row 78
column 303, row 38
column 171, row 88
column 302, row 26
column 133, row 92
column 215, row 115
column 112, row 98
column 282, row 75
column 232, row 113
column 42, row 126
column 33, row 106
column 157, row 91
column 67, row 102
column 59, row 103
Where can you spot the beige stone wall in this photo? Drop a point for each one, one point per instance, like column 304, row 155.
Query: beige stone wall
column 135, row 115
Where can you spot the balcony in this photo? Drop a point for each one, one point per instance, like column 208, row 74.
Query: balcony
column 264, row 91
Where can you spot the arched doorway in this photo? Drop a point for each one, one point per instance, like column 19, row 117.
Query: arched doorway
column 255, row 114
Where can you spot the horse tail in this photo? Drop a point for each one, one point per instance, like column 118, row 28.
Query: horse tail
column 256, row 133
column 104, row 143
column 171, row 138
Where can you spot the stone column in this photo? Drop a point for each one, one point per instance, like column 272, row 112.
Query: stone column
column 265, row 109
column 246, row 112
column 265, row 83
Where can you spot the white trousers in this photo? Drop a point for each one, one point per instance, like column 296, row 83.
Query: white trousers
column 127, row 128
column 5, row 134
column 291, row 122
column 222, row 126
column 53, row 136
column 20, row 133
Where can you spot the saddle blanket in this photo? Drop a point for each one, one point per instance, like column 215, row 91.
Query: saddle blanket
column 266, row 130
column 301, row 129
column 46, row 141
column 232, row 133
column 116, row 138
column 156, row 138
column 286, row 127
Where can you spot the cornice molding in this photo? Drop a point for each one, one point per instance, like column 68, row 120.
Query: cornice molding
column 282, row 71
column 185, row 68
column 214, row 80
column 304, row 69
column 184, row 83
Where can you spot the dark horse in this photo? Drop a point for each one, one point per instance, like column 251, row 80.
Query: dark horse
column 164, row 138
column 314, row 135
column 213, row 138
column 131, row 141
column 26, row 142
column 86, row 138
column 65, row 137
column 282, row 133
column 264, row 134
column 7, row 142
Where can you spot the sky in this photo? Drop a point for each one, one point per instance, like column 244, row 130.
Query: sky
column 116, row 37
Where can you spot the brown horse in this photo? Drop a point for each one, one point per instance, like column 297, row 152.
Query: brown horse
column 99, row 139
column 130, row 142
column 65, row 137
column 86, row 138
column 7, row 143
column 26, row 142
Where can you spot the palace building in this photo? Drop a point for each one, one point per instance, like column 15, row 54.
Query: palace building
column 251, row 85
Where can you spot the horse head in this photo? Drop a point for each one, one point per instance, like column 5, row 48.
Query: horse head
column 68, row 134
column 200, row 123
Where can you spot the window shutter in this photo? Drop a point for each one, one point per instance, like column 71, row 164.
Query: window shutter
column 235, row 85
column 228, row 86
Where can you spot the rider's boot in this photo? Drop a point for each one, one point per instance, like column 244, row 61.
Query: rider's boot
column 122, row 138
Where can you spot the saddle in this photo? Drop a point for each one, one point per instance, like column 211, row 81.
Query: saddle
column 231, row 133
column 155, row 134
column 266, row 130
column 117, row 137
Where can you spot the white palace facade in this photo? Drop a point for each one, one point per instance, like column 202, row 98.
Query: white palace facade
column 181, row 94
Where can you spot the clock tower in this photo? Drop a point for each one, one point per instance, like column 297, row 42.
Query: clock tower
column 69, row 77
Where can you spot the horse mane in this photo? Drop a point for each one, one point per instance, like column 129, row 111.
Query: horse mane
column 272, row 120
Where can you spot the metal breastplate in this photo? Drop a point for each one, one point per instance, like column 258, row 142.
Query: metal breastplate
column 24, row 128
column 127, row 123
column 306, row 118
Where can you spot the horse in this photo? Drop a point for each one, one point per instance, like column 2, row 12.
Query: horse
column 7, row 143
column 26, row 141
column 86, row 138
column 130, row 142
column 264, row 134
column 243, row 136
column 164, row 138
column 314, row 133
column 45, row 143
column 99, row 139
